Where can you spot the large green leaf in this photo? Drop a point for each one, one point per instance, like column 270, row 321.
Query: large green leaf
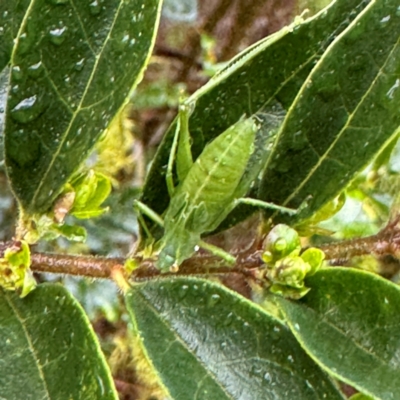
column 345, row 112
column 70, row 68
column 265, row 77
column 349, row 324
column 210, row 343
column 48, row 349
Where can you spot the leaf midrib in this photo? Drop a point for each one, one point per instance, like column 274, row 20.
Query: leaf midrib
column 79, row 107
column 325, row 156
column 30, row 344
column 181, row 342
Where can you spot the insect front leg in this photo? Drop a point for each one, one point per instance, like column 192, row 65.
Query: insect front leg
column 180, row 150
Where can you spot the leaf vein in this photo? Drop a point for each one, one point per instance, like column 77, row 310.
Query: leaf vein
column 342, row 131
column 77, row 111
column 178, row 339
column 30, row 344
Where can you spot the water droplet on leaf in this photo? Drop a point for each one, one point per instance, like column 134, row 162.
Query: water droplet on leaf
column 79, row 65
column 213, row 300
column 27, row 110
column 391, row 91
column 35, row 70
column 94, row 7
column 183, row 291
column 57, row 35
column 16, row 72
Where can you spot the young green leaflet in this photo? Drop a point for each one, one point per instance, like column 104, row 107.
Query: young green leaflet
column 208, row 191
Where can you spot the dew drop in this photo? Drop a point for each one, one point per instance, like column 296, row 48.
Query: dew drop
column 309, row 384
column 125, row 39
column 16, row 72
column 25, row 42
column 35, row 70
column 27, row 110
column 94, row 7
column 391, row 91
column 183, row 291
column 57, row 36
column 213, row 300
column 267, row 377
column 79, row 65
column 228, row 320
column 100, row 381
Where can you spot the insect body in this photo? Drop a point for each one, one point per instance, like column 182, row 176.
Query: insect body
column 207, row 193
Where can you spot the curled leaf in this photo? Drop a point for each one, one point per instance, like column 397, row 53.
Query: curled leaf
column 14, row 269
column 91, row 190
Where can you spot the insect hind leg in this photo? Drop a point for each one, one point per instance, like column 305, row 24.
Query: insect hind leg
column 141, row 209
column 270, row 206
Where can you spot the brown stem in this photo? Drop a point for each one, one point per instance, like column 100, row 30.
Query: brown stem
column 96, row 267
column 385, row 242
column 104, row 267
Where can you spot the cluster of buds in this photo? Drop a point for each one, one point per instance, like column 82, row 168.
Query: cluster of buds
column 286, row 266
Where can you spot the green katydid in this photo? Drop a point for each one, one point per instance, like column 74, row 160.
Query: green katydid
column 209, row 189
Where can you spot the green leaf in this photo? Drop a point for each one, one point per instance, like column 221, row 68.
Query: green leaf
column 266, row 77
column 91, row 190
column 348, row 323
column 345, row 112
column 207, row 342
column 48, row 349
column 71, row 232
column 70, row 69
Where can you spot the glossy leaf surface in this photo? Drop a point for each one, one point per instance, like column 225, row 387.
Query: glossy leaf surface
column 265, row 77
column 48, row 349
column 209, row 343
column 344, row 113
column 65, row 68
column 349, row 324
